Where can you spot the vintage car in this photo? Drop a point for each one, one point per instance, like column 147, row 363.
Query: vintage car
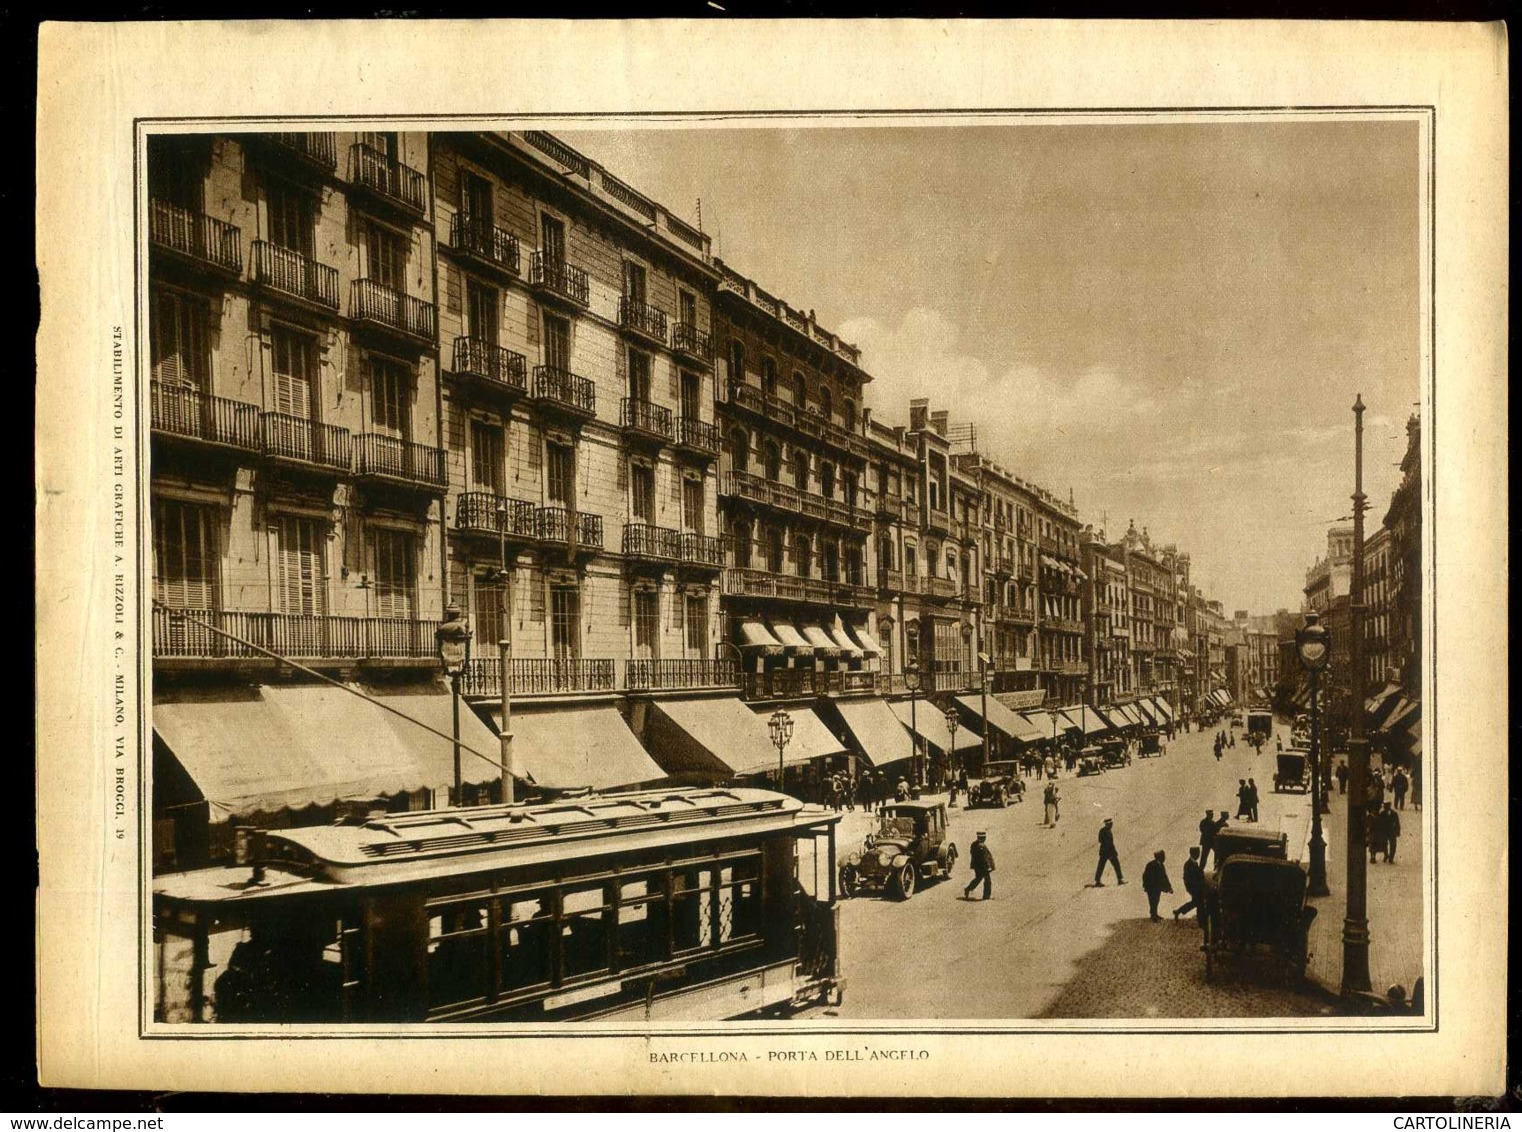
column 1255, row 907
column 999, row 784
column 1236, row 719
column 1293, row 775
column 1090, row 761
column 910, row 845
column 1235, row 841
column 1260, row 721
column 1114, row 753
column 1149, row 746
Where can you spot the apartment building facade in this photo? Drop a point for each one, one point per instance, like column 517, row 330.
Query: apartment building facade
column 1063, row 663
column 1107, row 617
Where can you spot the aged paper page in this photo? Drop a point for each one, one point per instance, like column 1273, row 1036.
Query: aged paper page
column 103, row 89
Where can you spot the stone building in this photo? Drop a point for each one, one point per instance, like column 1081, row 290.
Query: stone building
column 1063, row 663
column 1403, row 520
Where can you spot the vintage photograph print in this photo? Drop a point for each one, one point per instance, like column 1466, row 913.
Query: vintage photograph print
column 853, row 571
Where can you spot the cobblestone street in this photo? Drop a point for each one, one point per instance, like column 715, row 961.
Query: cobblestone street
column 1052, row 946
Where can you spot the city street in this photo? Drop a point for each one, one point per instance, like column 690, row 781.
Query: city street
column 1049, row 945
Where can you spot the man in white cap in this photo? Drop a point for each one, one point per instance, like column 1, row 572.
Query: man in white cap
column 982, row 868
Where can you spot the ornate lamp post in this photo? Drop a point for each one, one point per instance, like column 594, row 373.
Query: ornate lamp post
column 984, row 664
column 504, row 653
column 1355, row 925
column 1313, row 645
column 780, row 725
column 952, row 723
column 912, row 682
column 453, row 639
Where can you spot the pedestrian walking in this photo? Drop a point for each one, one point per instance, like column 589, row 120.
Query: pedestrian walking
column 1389, row 830
column 1051, row 800
column 1232, row 741
column 1155, row 882
column 1194, row 884
column 982, row 868
column 1416, row 786
column 1278, row 742
column 1342, row 778
column 1051, row 767
column 901, row 791
column 1400, row 785
column 1107, row 855
column 1252, row 800
column 1244, row 800
column 1209, row 827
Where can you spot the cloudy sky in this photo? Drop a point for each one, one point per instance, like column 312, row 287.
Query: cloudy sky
column 1169, row 320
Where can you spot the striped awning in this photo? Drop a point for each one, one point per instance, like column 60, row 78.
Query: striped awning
column 842, row 639
column 758, row 638
column 864, row 639
column 792, row 640
column 815, row 635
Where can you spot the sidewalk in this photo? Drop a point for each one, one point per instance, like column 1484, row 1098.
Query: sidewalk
column 1395, row 904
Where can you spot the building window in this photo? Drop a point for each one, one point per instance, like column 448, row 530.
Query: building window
column 885, row 554
column 911, row 560
column 395, row 572
column 487, row 616
column 177, row 340
column 565, row 622
column 850, row 412
column 774, row 550
column 697, row 624
column 557, row 342
column 639, row 376
column 803, row 557
column 692, row 505
column 691, row 396
column 634, row 283
column 385, row 258
column 800, row 390
column 481, row 311
column 642, row 492
column 830, row 560
column 476, row 202
column 736, row 360
column 299, row 560
column 849, row 482
column 772, row 456
column 826, row 402
column 291, row 219
column 295, row 372
column 827, row 480
column 739, row 450
column 647, row 624
column 800, row 469
column 739, row 538
column 177, row 171
column 184, row 555
column 551, row 239
column 486, row 469
column 769, row 377
column 390, row 389
column 559, row 469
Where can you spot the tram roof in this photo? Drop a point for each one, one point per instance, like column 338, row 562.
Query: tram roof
column 398, row 848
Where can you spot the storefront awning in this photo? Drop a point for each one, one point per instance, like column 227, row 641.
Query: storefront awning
column 878, row 735
column 1121, row 715
column 866, row 641
column 262, row 749
column 847, row 646
column 791, row 639
column 1048, row 560
column 1379, row 706
column 930, row 722
column 756, row 637
column 811, row 738
column 1085, row 719
column 1409, row 713
column 1048, row 723
column 714, row 738
column 1016, row 726
column 567, row 748
column 816, row 636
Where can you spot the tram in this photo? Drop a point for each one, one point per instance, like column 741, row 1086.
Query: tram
column 665, row 905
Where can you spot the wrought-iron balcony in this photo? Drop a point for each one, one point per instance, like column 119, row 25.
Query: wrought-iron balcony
column 673, row 675
column 492, row 367
column 485, row 243
column 317, row 151
column 642, row 320
column 1062, row 624
column 649, row 543
column 557, row 279
column 305, row 443
column 392, row 460
column 778, row 684
column 701, row 552
column 387, row 180
column 698, row 436
column 944, row 588
column 1002, row 565
column 645, row 420
column 294, row 275
column 938, row 520
column 564, row 392
column 691, row 342
column 747, row 582
column 494, row 516
column 192, row 415
column 199, row 240
column 532, row 676
column 189, row 634
column 553, row 525
column 377, row 305
column 890, row 580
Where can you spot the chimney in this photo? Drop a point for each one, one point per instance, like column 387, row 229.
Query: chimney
column 919, row 408
column 940, row 421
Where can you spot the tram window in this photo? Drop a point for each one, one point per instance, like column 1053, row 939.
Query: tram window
column 527, row 929
column 459, row 966
column 641, row 923
column 584, row 920
column 692, row 909
column 739, row 900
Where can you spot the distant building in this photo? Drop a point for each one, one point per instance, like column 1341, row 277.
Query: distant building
column 1404, row 522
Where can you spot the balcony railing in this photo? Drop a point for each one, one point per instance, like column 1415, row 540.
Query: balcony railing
column 641, row 540
column 698, row 436
column 1062, row 624
column 642, row 319
column 702, row 550
column 180, row 411
column 891, row 580
column 645, row 418
column 485, row 512
column 486, row 242
column 938, row 520
column 1003, row 565
column 391, row 458
column 530, row 676
column 205, row 240
column 943, row 587
column 557, row 277
column 687, row 339
column 889, row 506
column 562, row 389
column 670, row 675
column 498, row 367
column 184, row 633
column 302, row 441
column 388, row 178
column 385, row 306
column 553, row 524
column 779, row 684
column 318, row 150
column 812, row 424
column 294, row 274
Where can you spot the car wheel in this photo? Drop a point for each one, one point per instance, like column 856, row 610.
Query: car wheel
column 847, row 881
column 904, row 882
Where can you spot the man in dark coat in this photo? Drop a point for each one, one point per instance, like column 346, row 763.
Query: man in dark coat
column 1252, row 800
column 1389, row 831
column 1342, row 778
column 1194, row 885
column 1155, row 882
column 1244, row 800
column 1210, row 825
column 982, row 868
column 1400, row 786
column 1107, row 855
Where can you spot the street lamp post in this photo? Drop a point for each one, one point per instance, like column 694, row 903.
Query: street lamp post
column 1313, row 645
column 781, row 727
column 453, row 639
column 952, row 723
column 1355, row 925
column 984, row 664
column 504, row 654
column 912, row 682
